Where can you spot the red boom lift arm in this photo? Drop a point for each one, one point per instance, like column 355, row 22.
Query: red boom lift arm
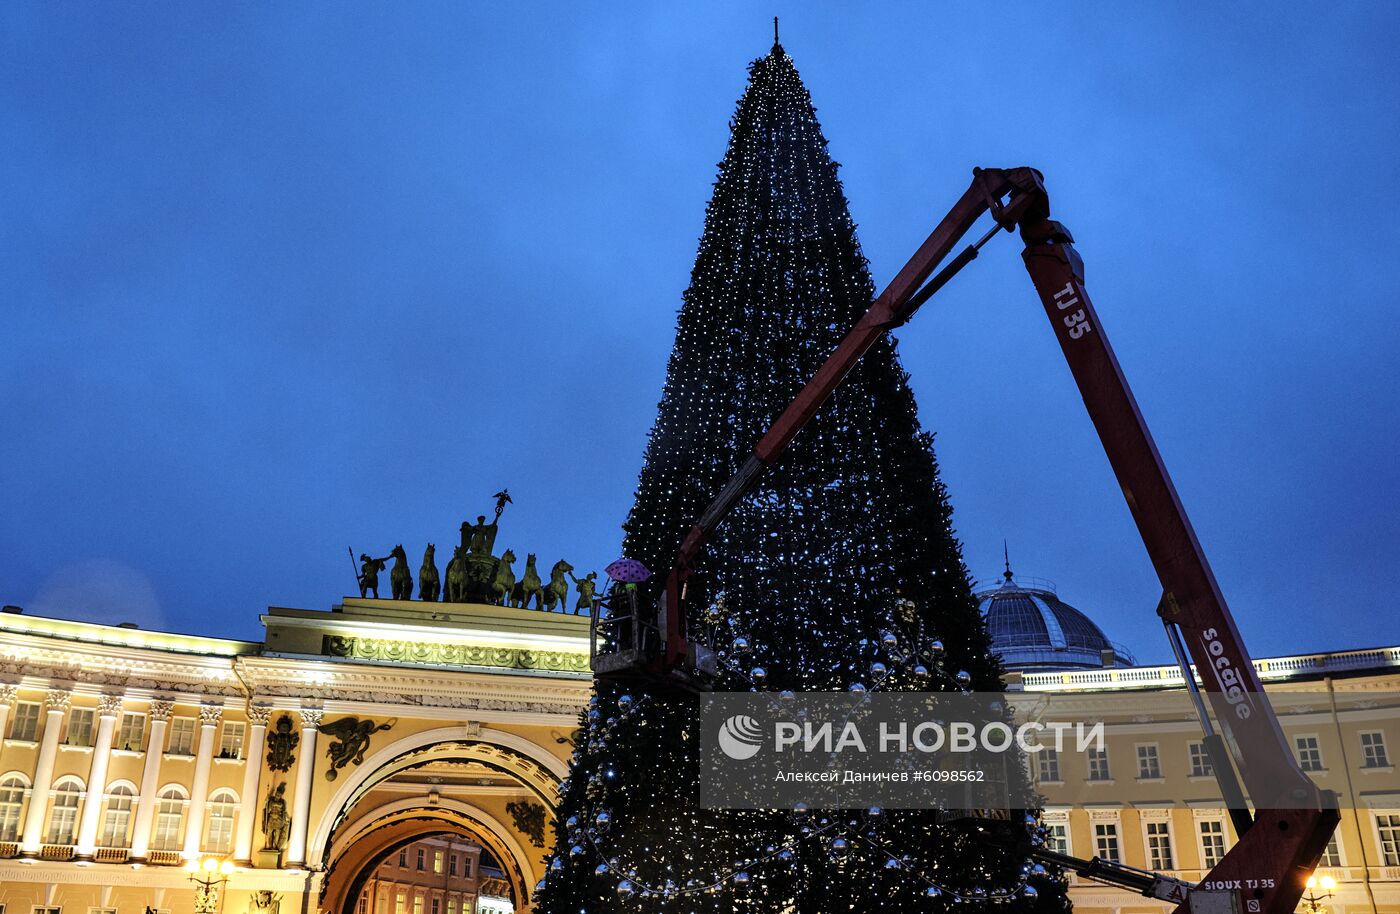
column 1266, row 870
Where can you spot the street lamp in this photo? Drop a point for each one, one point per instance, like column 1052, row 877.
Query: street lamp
column 208, row 876
column 1312, row 902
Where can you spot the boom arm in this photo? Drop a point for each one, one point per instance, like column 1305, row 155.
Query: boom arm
column 1271, row 861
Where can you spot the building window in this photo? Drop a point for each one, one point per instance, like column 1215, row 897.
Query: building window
column 417, row 904
column 26, row 725
column 102, row 911
column 399, row 903
column 80, row 726
column 1373, row 750
column 362, row 905
column 170, row 816
column 403, row 858
column 1309, row 753
column 219, row 837
column 63, row 816
column 436, row 906
column 1149, row 765
column 231, row 740
column 182, row 736
column 419, row 857
column 451, row 906
column 117, row 820
column 1212, row 841
column 437, row 864
column 1159, row 846
column 11, row 805
column 132, row 728
column 1098, row 765
column 45, row 909
column 1106, row 840
column 1200, row 761
column 1388, row 826
column 1057, row 837
column 1332, row 856
column 452, row 865
column 1048, row 766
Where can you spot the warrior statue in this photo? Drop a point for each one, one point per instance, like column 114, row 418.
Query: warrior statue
column 369, row 573
column 275, row 822
column 586, row 588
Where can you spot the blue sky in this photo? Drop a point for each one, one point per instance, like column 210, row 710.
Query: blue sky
column 278, row 279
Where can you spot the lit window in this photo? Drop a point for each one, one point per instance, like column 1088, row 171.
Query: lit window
column 1057, row 837
column 1373, row 750
column 1309, row 753
column 26, row 725
column 417, row 904
column 63, row 817
column 1332, row 856
column 437, row 864
column 182, row 736
column 170, row 816
column 451, row 906
column 1200, row 761
column 1098, row 765
column 129, row 736
column 80, row 726
column 222, row 808
column 11, row 805
column 1212, row 833
column 1388, row 827
column 1048, row 766
column 231, row 740
column 1159, row 846
column 117, row 819
column 399, row 902
column 362, row 905
column 1106, row 840
column 1149, row 765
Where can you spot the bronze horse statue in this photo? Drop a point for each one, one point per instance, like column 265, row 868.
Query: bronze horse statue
column 530, row 586
column 428, row 583
column 557, row 590
column 455, row 588
column 400, row 579
column 504, row 582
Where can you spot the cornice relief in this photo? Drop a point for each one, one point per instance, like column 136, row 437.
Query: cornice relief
column 378, row 696
column 455, row 654
column 20, row 660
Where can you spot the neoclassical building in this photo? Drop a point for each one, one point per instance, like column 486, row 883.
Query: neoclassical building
column 296, row 765
column 397, row 757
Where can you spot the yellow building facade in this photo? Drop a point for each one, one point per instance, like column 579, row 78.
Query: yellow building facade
column 297, row 764
column 304, row 764
column 1151, row 800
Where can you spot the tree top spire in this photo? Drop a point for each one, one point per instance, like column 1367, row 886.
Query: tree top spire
column 776, row 45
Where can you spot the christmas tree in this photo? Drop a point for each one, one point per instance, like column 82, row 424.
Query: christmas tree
column 813, row 569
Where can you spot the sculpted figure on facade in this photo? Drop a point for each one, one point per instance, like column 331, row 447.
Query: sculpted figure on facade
column 280, row 744
column 350, row 740
column 276, row 823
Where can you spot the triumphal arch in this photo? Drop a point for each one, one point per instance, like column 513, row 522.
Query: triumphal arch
column 144, row 770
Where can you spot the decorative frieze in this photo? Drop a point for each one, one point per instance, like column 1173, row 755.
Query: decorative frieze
column 428, row 654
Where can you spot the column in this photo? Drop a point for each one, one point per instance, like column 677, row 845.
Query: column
column 301, row 804
column 109, row 707
column 7, row 695
column 209, row 716
column 32, row 839
column 252, row 772
column 150, row 780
